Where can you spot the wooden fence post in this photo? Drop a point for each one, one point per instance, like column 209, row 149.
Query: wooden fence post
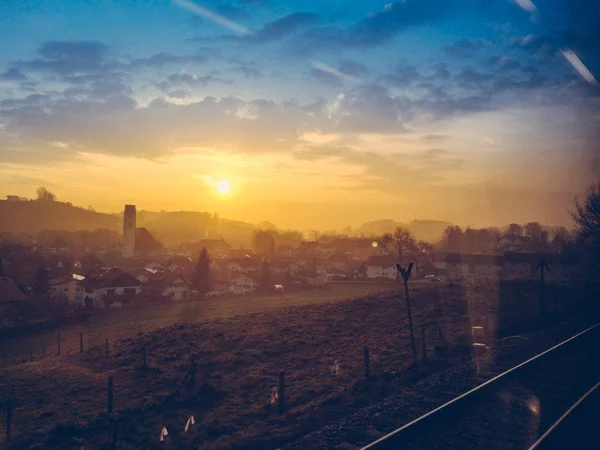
column 8, row 414
column 367, row 368
column 58, row 343
column 114, row 437
column 281, row 391
column 110, row 394
column 107, row 347
column 81, row 342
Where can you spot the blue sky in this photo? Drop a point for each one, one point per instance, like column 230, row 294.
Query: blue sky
column 446, row 109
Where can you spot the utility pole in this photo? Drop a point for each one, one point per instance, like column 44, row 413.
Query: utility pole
column 405, row 276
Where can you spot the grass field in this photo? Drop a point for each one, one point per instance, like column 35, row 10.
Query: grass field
column 120, row 324
column 60, row 402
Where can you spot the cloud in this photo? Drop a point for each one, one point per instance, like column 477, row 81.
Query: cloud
column 162, row 59
column 440, row 71
column 178, row 85
column 404, row 74
column 465, row 48
column 502, row 62
column 329, row 75
column 352, row 68
column 282, row 27
column 396, row 17
column 469, row 76
column 67, row 57
column 13, row 74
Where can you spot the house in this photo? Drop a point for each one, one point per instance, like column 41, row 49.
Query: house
column 356, row 270
column 243, row 265
column 169, row 285
column 242, row 284
column 440, row 263
column 380, row 267
column 104, row 289
column 68, row 289
column 338, row 261
column 12, row 302
column 142, row 274
column 316, row 280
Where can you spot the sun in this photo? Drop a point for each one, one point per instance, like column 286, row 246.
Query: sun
column 223, row 187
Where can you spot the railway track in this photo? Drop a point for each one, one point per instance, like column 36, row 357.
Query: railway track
column 512, row 410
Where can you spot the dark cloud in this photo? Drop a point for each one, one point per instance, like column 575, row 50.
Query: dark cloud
column 13, row 74
column 471, row 77
column 404, row 74
column 326, row 78
column 352, row 68
column 163, row 59
column 465, row 47
column 380, row 27
column 503, row 63
column 440, row 71
column 184, row 80
column 66, row 57
column 282, row 27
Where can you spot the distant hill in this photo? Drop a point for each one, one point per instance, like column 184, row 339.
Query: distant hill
column 425, row 230
column 31, row 216
column 173, row 228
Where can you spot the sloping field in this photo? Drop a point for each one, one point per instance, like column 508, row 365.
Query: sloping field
column 60, row 402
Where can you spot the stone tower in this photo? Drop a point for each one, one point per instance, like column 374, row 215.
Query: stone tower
column 129, row 231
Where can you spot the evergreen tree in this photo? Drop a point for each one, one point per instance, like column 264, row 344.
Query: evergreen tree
column 265, row 276
column 201, row 279
column 41, row 286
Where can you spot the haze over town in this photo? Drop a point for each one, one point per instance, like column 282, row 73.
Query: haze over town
column 315, row 115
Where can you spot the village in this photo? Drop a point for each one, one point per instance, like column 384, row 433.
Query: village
column 146, row 272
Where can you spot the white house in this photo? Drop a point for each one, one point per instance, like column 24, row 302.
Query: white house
column 101, row 289
column 381, row 267
column 242, row 284
column 68, row 289
column 169, row 285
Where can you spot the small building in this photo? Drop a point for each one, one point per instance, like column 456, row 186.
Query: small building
column 12, row 304
column 67, row 289
column 169, row 285
column 242, row 284
column 101, row 290
column 381, row 267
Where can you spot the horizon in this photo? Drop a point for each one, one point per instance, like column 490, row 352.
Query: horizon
column 306, row 115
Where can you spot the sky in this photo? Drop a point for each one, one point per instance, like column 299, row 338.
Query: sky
column 317, row 114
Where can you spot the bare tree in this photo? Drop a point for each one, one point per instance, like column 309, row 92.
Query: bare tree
column 587, row 217
column 399, row 244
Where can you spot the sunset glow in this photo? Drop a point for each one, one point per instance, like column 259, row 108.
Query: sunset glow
column 329, row 115
column 223, row 187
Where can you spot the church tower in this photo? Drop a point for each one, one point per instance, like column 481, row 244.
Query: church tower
column 129, row 231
